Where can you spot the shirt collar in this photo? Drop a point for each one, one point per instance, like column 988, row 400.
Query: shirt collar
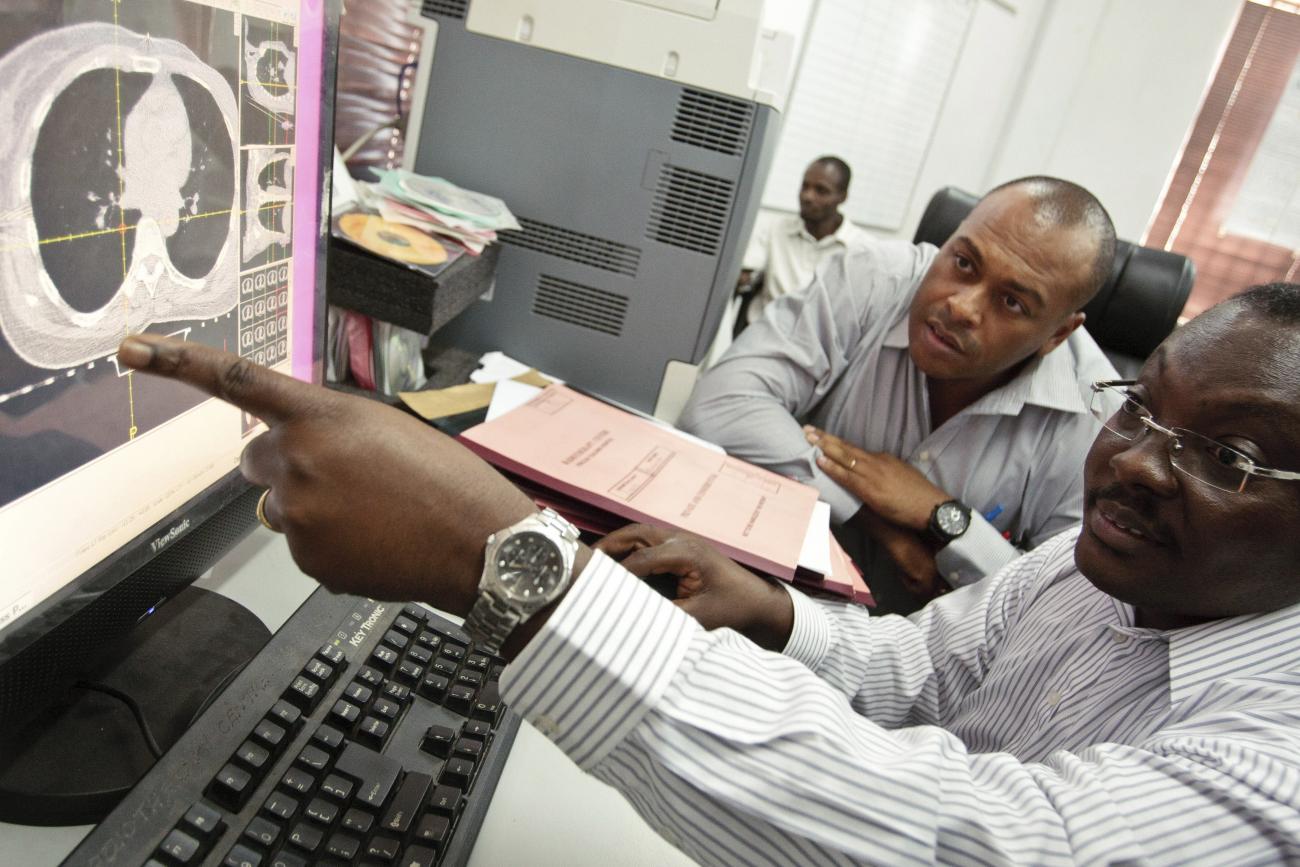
column 1051, row 382
column 840, row 235
column 1235, row 647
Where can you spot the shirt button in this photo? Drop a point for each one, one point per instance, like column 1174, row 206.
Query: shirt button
column 545, row 725
column 1053, row 698
column 1119, row 638
column 924, row 457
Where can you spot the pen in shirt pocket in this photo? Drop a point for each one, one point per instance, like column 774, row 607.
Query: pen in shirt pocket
column 993, row 513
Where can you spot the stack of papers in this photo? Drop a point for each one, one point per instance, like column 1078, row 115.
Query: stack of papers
column 601, row 467
column 466, row 218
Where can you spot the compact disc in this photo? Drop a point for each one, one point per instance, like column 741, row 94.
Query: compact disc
column 403, row 243
column 447, row 196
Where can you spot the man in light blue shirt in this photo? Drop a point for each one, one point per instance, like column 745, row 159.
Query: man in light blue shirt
column 956, row 372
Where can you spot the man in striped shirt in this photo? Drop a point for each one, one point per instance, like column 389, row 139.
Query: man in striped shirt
column 1127, row 692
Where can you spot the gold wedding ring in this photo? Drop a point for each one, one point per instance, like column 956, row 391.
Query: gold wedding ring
column 261, row 511
column 853, row 463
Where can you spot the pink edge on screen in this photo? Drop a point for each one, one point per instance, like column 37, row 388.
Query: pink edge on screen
column 306, row 196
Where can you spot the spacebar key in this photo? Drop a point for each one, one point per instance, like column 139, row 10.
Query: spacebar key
column 375, row 774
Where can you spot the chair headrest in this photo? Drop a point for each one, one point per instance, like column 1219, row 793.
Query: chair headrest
column 1137, row 307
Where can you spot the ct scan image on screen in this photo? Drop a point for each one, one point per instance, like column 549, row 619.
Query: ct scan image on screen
column 147, row 186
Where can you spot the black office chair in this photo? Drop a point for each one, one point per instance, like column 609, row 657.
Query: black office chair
column 1136, row 309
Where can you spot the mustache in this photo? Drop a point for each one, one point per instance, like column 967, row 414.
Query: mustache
column 958, row 333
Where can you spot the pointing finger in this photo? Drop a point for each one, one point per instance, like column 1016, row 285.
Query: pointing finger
column 270, row 396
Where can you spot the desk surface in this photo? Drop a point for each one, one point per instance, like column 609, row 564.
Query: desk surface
column 544, row 812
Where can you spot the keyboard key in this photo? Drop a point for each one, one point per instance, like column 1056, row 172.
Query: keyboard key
column 304, row 693
column 434, row 686
column 327, row 738
column 444, row 666
column 432, row 830
column 285, row 714
column 419, row 856
column 386, row 709
column 337, row 787
column 452, row 651
column 344, row 714
column 410, row 672
column 469, row 748
column 202, row 821
column 180, row 847
column 269, row 735
column 449, row 633
column 306, row 837
column 287, row 859
column 437, row 741
column 322, row 811
column 319, row 671
column 242, row 856
column 252, row 756
column 406, row 625
column 457, row 772
column 430, row 640
column 371, row 677
column 383, row 658
column 343, row 846
column 398, row 693
column 280, row 805
column 406, row 803
column 358, row 821
column 459, row 698
column 313, row 759
column 373, row 732
column 420, row 654
column 446, row 800
column 231, row 788
column 396, row 640
column 297, row 781
column 478, row 662
column 478, row 728
column 415, row 612
column 470, row 678
column 487, row 705
column 331, row 655
column 358, row 693
column 261, row 832
column 383, row 849
column 374, row 774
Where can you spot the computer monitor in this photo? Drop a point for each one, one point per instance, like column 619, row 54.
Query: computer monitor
column 165, row 169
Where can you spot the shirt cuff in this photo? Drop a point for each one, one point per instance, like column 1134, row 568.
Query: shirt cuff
column 843, row 504
column 981, row 550
column 600, row 663
column 810, row 638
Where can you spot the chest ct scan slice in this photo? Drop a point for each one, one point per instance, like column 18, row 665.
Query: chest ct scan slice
column 160, row 194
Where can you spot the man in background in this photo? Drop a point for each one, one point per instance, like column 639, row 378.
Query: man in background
column 788, row 251
column 942, row 387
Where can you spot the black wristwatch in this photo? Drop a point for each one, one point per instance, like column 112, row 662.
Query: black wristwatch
column 949, row 521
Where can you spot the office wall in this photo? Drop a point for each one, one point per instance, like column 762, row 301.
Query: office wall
column 1099, row 91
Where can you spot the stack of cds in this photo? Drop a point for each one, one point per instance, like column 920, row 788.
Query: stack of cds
column 452, row 214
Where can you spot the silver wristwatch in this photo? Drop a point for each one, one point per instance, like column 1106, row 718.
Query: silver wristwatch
column 526, row 567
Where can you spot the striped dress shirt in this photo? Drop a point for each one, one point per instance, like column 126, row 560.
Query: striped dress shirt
column 1024, row 720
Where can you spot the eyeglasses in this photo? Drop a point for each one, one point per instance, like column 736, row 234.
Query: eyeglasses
column 1206, row 460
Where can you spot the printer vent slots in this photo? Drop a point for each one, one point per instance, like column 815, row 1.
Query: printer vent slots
column 574, row 246
column 690, row 209
column 717, row 123
column 448, row 8
column 584, row 306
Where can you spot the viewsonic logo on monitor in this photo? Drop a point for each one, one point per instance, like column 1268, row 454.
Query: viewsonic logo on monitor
column 170, row 536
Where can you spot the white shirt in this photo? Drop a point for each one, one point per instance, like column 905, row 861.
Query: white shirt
column 788, row 254
column 1022, row 720
column 836, row 356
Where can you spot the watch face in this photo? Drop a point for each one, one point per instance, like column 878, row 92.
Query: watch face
column 951, row 519
column 529, row 565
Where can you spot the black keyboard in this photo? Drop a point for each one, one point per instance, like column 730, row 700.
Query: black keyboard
column 364, row 732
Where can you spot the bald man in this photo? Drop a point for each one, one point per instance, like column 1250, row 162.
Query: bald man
column 933, row 396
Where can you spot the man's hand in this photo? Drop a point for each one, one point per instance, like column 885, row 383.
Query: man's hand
column 914, row 557
column 711, row 587
column 892, row 488
column 371, row 500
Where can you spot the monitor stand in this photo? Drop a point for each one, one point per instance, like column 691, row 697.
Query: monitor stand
column 76, row 758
